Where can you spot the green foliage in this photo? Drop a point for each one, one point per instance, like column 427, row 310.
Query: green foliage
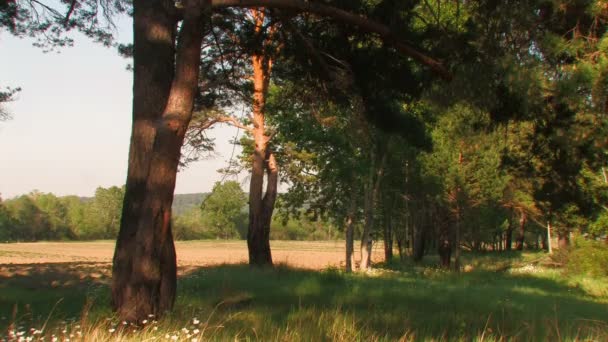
column 222, row 210
column 587, row 257
column 44, row 216
column 49, row 22
column 302, row 227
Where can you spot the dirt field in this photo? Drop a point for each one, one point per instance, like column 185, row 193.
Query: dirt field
column 66, row 263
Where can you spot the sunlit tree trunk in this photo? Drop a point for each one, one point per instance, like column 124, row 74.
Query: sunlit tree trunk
column 165, row 84
column 261, row 205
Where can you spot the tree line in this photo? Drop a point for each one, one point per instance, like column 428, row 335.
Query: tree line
column 221, row 214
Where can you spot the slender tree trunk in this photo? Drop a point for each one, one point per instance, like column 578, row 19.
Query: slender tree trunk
column 563, row 239
column 261, row 208
column 366, row 238
column 519, row 242
column 388, row 234
column 371, row 195
column 144, row 268
column 350, row 235
column 419, row 236
column 444, row 245
column 509, row 234
column 457, row 242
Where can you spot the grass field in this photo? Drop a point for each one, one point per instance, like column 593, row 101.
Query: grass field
column 59, row 290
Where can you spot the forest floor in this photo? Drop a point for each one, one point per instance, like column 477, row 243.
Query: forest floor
column 60, row 290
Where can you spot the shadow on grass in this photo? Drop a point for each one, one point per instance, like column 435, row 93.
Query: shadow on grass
column 284, row 303
column 437, row 305
column 29, row 292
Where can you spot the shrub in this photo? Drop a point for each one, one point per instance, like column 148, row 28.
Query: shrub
column 587, row 257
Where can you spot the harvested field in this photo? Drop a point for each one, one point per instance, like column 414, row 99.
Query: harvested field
column 54, row 264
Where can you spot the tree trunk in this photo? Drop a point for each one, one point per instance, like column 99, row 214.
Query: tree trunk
column 261, row 208
column 144, row 267
column 366, row 238
column 388, row 235
column 519, row 242
column 419, row 236
column 563, row 239
column 509, row 234
column 444, row 245
column 350, row 235
column 457, row 242
column 371, row 194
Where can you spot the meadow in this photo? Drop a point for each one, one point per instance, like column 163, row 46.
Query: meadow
column 59, row 291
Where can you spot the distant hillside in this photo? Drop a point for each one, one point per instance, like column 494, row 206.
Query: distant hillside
column 185, row 202
column 181, row 202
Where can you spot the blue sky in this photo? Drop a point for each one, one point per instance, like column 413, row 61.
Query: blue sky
column 71, row 122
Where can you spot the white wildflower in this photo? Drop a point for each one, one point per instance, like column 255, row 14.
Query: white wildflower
column 144, row 321
column 195, row 321
column 196, row 331
column 111, row 330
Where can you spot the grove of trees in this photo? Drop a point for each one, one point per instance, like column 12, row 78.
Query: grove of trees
column 435, row 124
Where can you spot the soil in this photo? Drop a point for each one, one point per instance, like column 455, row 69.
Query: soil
column 54, row 264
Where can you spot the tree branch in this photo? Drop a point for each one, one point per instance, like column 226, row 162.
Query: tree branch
column 346, row 17
column 231, row 121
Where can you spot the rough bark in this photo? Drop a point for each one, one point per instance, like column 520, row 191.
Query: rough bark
column 261, row 208
column 144, row 267
column 519, row 242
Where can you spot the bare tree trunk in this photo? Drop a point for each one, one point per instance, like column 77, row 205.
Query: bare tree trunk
column 419, row 238
column 444, row 245
column 549, row 229
column 519, row 242
column 366, row 238
column 371, row 195
column 144, row 265
column 350, row 235
column 388, row 234
column 563, row 239
column 261, row 208
column 509, row 234
column 457, row 242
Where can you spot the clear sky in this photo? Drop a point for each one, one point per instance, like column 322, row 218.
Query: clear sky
column 71, row 122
